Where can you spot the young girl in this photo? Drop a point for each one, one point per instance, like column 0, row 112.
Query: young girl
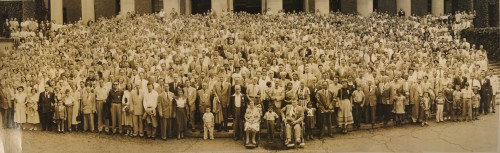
column 208, row 124
column 20, row 99
column 476, row 98
column 310, row 121
column 60, row 113
column 440, row 107
column 424, row 106
column 399, row 108
column 270, row 118
column 32, row 109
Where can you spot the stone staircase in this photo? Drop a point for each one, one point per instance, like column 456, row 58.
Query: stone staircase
column 495, row 65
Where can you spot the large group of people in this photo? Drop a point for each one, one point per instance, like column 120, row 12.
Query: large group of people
column 162, row 75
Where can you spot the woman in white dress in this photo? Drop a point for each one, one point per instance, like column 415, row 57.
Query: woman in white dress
column 126, row 115
column 20, row 99
column 32, row 109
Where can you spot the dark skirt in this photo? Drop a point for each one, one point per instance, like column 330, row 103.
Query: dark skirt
column 181, row 119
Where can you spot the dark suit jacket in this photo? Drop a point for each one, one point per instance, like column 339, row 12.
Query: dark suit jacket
column 45, row 102
column 312, row 91
column 243, row 90
column 486, row 90
column 243, row 107
column 176, row 90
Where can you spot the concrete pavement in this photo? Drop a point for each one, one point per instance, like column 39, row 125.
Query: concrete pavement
column 477, row 136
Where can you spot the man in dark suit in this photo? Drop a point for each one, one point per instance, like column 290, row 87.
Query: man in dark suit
column 486, row 93
column 237, row 104
column 401, row 13
column 46, row 102
column 176, row 85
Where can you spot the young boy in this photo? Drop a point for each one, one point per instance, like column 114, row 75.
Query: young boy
column 358, row 98
column 310, row 122
column 270, row 118
column 208, row 125
column 440, row 107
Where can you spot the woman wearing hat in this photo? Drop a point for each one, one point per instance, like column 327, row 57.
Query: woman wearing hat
column 344, row 116
column 20, row 100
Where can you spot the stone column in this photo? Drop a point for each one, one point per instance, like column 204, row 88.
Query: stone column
column 323, row 6
column 88, row 10
column 263, row 4
column 437, row 7
column 275, row 5
column 127, row 6
column 365, row 7
column 219, row 5
column 405, row 5
column 56, row 11
column 170, row 6
column 306, row 6
column 189, row 7
column 230, row 5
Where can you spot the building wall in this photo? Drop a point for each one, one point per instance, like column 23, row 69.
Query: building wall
column 349, row 6
column 143, row 6
column 419, row 7
column 465, row 5
column 11, row 9
column 29, row 9
column 105, row 8
column 388, row 6
column 73, row 10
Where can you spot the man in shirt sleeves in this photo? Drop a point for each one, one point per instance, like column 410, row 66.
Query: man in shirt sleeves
column 150, row 104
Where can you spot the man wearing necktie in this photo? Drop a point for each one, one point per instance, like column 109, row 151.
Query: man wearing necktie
column 486, row 93
column 371, row 103
column 165, row 111
column 222, row 91
column 46, row 101
column 326, row 107
column 175, row 85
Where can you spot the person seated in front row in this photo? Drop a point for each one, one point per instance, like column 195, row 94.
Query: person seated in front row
column 293, row 116
column 252, row 121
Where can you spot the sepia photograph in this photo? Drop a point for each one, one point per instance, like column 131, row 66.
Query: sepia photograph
column 238, row 76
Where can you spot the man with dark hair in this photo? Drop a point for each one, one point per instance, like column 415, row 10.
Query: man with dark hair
column 115, row 98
